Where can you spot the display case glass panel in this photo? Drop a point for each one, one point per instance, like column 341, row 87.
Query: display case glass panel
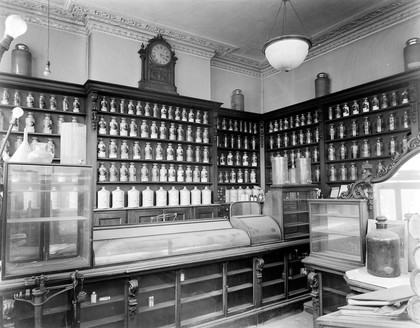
column 338, row 229
column 46, row 218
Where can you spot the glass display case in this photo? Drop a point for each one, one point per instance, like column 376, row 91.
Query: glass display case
column 46, row 218
column 338, row 229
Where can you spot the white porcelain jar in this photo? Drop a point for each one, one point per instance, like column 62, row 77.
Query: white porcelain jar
column 206, row 196
column 117, row 198
column 173, row 197
column 161, row 197
column 148, row 196
column 195, row 196
column 185, row 195
column 133, row 197
column 103, row 198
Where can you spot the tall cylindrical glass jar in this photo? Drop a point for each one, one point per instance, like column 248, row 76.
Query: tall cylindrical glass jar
column 21, row 60
column 412, row 54
column 322, row 85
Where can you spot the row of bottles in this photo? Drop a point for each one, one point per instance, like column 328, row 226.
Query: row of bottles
column 243, row 194
column 228, row 124
column 293, row 122
column 155, row 110
column 147, row 152
column 238, row 159
column 366, row 150
column 50, row 124
column 67, row 103
column 366, row 105
column 296, row 138
column 7, row 152
column 367, row 127
column 163, row 131
column 237, row 141
column 237, row 176
column 145, row 173
column 349, row 171
column 292, row 154
column 149, row 197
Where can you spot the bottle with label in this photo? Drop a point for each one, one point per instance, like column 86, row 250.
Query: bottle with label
column 30, row 100
column 112, row 105
column 144, row 129
column 147, row 151
column 188, row 174
column 136, row 150
column 162, row 131
column 317, row 173
column 354, row 150
column 184, row 115
column 101, row 148
column 198, row 135
column 384, row 101
column 332, row 132
column 365, row 106
column 170, row 152
column 337, row 111
column 375, row 103
column 172, row 132
column 16, row 99
column 406, row 120
column 189, row 134
column 155, row 172
column 392, row 122
column 117, row 198
column 404, row 144
column 139, row 108
column 66, row 105
column 153, row 130
column 131, row 107
column 180, row 174
column 185, row 196
column 180, row 133
column 308, row 136
column 122, row 106
column 171, row 173
column 294, row 138
column 124, row 149
column 123, row 172
column 161, row 197
column 206, row 155
column 133, row 197
column 346, row 110
column 179, row 153
column 113, row 126
column 47, row 124
column 404, row 97
column 144, row 173
column 50, row 147
column 112, row 149
column 29, row 122
column 379, row 124
column 196, row 174
column 173, row 197
column 315, row 155
column 341, row 131
column 253, row 176
column 342, row 151
column 353, row 171
column 159, row 152
column 113, row 173
column 254, row 159
column 102, row 126
column 331, row 152
column 379, row 167
column 133, row 128
column 163, row 173
column 132, row 173
column 155, row 111
column 204, row 175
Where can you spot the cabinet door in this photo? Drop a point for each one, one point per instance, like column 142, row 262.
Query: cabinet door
column 334, row 290
column 145, row 216
column 205, row 212
column 109, row 218
column 273, row 277
column 182, row 213
column 240, row 287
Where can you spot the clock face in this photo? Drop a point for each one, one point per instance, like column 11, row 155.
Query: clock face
column 160, row 54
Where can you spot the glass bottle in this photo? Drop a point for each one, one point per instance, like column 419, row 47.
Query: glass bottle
column 172, row 132
column 375, row 103
column 294, row 138
column 147, row 151
column 144, row 173
column 205, row 117
column 133, row 128
column 254, row 159
column 317, row 173
column 189, row 153
column 198, row 135
column 184, row 115
column 316, row 134
column 133, row 197
column 124, row 150
column 169, row 152
column 384, row 101
column 112, row 105
column 354, row 150
column 406, row 120
column 47, row 124
column 365, row 105
column 301, row 137
column 179, row 153
column 337, row 111
column 102, row 173
column 188, row 174
column 30, row 100
column 123, row 127
column 253, row 176
column 101, row 148
column 122, row 106
column 198, row 154
column 162, row 131
column 379, row 124
column 297, row 121
column 246, row 176
column 50, row 147
column 245, row 159
column 286, row 140
column 53, row 102
column 341, row 131
column 132, row 172
column 113, row 173
column 147, row 109
column 392, row 146
column 16, row 98
column 394, row 98
column 286, row 124
column 180, row 133
column 330, row 113
column 155, row 110
column 342, row 151
column 379, row 147
column 303, row 120
column 136, row 150
column 404, row 144
column 332, row 132
column 139, row 108
column 159, row 152
column 131, row 107
column 102, row 126
column 113, row 126
column 229, row 158
column 366, row 126
column 163, row 173
column 189, row 134
column 332, row 173
column 342, row 173
column 346, row 110
column 123, row 172
column 144, row 129
column 391, row 122
column 112, row 149
column 155, row 172
column 204, row 175
column 30, row 123
column 180, row 174
column 315, row 155
column 316, row 117
column 171, row 173
column 355, row 108
column 365, row 148
column 206, row 135
column 41, row 103
column 331, row 152
column 308, row 136
column 353, row 171
column 383, row 251
column 153, row 130
column 196, row 174
column 354, row 128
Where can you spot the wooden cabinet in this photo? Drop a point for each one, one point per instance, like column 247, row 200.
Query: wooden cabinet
column 288, row 204
column 346, row 134
column 238, row 153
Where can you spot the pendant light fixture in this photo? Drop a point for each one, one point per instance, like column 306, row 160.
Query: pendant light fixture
column 286, row 52
column 47, row 70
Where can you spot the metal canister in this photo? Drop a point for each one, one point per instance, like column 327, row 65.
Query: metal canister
column 412, row 54
column 21, row 60
column 322, row 85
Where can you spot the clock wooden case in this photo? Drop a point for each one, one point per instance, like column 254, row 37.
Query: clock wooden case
column 158, row 66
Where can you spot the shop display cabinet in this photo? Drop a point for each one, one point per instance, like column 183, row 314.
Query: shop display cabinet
column 337, row 244
column 46, row 219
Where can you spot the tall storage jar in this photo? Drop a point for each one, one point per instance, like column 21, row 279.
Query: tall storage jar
column 412, row 54
column 21, row 60
column 237, row 100
column 322, row 85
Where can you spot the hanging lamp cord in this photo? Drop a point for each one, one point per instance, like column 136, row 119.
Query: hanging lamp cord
column 48, row 35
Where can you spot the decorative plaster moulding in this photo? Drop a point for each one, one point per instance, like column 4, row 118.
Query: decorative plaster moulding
column 76, row 17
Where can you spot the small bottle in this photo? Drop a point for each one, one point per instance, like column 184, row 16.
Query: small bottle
column 16, row 98
column 332, row 132
column 122, row 106
column 196, row 174
column 341, row 131
column 53, row 102
column 41, row 103
column 354, row 128
column 379, row 124
column 184, row 115
column 406, row 120
column 102, row 126
column 76, row 105
column 354, row 150
column 331, row 152
column 131, row 107
column 101, row 149
column 30, row 100
column 384, row 101
column 155, row 173
column 124, row 149
column 353, row 171
column 132, row 173
column 365, row 106
column 30, row 123
column 162, row 131
column 148, row 151
column 317, row 173
column 139, row 108
column 346, row 110
column 50, row 147
column 153, row 130
column 113, row 126
column 163, row 173
column 366, row 126
column 392, row 146
column 66, row 105
column 47, row 124
column 136, row 150
column 337, row 111
column 342, row 173
column 379, row 147
column 133, row 128
column 112, row 153
column 332, row 173
column 112, row 105
column 365, row 148
column 392, row 122
column 123, row 127
column 342, row 151
column 147, row 109
column 375, row 103
column 171, row 173
column 113, row 173
column 123, row 172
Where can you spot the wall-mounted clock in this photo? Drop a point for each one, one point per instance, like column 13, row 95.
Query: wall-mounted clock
column 158, row 66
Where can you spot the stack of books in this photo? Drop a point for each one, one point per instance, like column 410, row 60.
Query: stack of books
column 391, row 302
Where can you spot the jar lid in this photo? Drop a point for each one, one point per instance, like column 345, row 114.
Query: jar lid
column 322, row 75
column 237, row 92
column 22, row 46
column 408, row 43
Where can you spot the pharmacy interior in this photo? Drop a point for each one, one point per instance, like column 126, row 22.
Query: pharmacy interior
column 138, row 194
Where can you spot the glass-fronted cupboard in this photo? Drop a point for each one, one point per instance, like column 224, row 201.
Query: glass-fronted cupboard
column 46, row 218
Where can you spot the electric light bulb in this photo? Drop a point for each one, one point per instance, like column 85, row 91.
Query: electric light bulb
column 15, row 26
column 47, row 70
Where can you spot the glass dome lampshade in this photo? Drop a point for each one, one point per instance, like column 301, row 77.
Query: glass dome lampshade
column 287, row 52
